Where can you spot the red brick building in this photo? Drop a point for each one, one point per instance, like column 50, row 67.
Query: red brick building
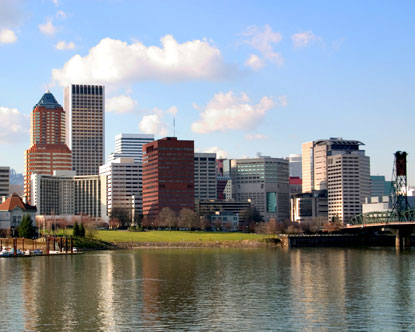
column 168, row 175
column 48, row 151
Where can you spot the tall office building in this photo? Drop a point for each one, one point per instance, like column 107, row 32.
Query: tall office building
column 205, row 176
column 168, row 176
column 85, row 127
column 295, row 165
column 4, row 181
column 130, row 146
column 314, row 160
column 379, row 186
column 348, row 182
column 48, row 151
column 122, row 180
column 264, row 182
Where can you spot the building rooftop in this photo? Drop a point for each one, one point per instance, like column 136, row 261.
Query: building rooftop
column 15, row 201
column 47, row 101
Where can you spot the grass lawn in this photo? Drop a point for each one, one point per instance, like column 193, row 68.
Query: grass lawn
column 173, row 236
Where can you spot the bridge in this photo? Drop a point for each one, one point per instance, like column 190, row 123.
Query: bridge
column 401, row 224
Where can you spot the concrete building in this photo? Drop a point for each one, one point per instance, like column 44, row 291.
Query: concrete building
column 309, row 206
column 64, row 193
column 263, row 181
column 205, row 176
column 314, row 161
column 130, row 146
column 379, row 186
column 12, row 211
column 4, row 181
column 295, row 165
column 168, row 176
column 122, row 179
column 348, row 182
column 211, row 207
column 85, row 127
column 48, row 151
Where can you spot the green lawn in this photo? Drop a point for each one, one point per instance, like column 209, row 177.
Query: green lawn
column 173, row 236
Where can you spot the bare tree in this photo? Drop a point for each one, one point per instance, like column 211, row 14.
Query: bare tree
column 188, row 219
column 167, row 218
column 204, row 223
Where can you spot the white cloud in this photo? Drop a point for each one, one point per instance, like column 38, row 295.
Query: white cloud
column 254, row 62
column 47, row 28
column 7, row 36
column 152, row 124
column 220, row 154
column 120, row 104
column 13, row 125
column 196, row 106
column 262, row 39
column 304, row 39
column 172, row 110
column 56, row 2
column 10, row 13
column 63, row 45
column 114, row 61
column 227, row 111
column 255, row 137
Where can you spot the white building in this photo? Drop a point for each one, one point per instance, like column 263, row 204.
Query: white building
column 348, row 182
column 12, row 211
column 85, row 126
column 130, row 146
column 205, row 176
column 122, row 181
column 263, row 181
column 64, row 193
column 4, row 181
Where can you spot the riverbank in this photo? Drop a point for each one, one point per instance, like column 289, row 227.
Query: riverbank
column 108, row 239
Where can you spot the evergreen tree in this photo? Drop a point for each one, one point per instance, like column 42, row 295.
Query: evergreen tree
column 26, row 228
column 76, row 229
column 81, row 230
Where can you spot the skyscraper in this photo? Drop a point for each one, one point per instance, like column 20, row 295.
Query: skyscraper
column 348, row 184
column 264, row 182
column 4, row 181
column 168, row 175
column 314, row 161
column 205, row 176
column 85, row 126
column 48, row 151
column 130, row 146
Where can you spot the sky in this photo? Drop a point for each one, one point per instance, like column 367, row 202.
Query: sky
column 239, row 77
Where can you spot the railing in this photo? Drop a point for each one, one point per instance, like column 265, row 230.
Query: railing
column 382, row 217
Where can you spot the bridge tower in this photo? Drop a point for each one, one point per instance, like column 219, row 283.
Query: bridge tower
column 399, row 190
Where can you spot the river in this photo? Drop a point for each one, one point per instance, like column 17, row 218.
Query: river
column 308, row 289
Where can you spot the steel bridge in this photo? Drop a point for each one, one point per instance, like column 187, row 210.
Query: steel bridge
column 401, row 224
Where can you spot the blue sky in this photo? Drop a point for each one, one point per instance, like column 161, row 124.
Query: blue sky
column 240, row 77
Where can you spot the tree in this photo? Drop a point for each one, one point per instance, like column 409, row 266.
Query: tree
column 167, row 218
column 81, row 230
column 188, row 219
column 122, row 215
column 254, row 215
column 26, row 228
column 75, row 229
column 204, row 223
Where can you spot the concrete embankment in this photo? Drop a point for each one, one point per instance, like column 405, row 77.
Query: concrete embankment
column 269, row 242
column 336, row 240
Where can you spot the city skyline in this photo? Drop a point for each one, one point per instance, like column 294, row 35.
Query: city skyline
column 261, row 79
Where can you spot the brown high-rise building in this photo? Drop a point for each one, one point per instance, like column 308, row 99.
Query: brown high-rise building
column 168, row 175
column 48, row 151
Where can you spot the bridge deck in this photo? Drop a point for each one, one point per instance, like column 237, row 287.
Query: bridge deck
column 381, row 224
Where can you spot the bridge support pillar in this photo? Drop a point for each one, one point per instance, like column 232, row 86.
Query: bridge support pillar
column 402, row 237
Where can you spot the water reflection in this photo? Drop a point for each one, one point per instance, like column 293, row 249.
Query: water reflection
column 210, row 290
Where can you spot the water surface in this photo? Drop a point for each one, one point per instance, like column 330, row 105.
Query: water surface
column 321, row 289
